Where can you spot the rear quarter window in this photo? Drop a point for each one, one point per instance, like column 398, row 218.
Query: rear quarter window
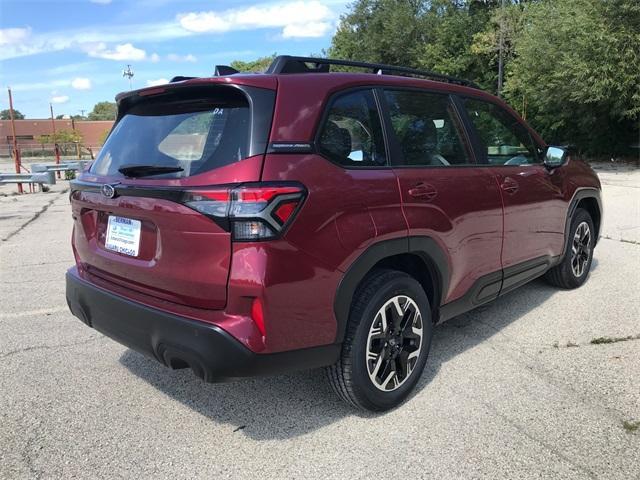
column 351, row 134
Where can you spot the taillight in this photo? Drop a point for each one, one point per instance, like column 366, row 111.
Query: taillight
column 252, row 211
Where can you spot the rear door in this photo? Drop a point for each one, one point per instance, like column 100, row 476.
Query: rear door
column 445, row 195
column 134, row 227
column 532, row 196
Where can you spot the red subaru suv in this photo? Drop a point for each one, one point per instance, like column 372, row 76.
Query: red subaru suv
column 251, row 224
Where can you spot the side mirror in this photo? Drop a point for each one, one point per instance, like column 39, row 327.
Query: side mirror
column 555, row 157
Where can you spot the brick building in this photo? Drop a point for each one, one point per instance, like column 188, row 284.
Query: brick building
column 28, row 131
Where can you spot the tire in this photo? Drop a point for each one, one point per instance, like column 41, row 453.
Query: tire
column 566, row 274
column 398, row 366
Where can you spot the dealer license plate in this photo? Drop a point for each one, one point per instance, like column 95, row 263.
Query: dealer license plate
column 123, row 235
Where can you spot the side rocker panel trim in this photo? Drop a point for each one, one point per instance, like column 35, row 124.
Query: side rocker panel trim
column 493, row 285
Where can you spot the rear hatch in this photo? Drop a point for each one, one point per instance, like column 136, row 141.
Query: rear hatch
column 135, row 221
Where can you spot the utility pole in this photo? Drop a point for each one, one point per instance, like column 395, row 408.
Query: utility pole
column 129, row 74
column 73, row 127
column 501, row 50
column 16, row 152
column 82, row 113
column 55, row 143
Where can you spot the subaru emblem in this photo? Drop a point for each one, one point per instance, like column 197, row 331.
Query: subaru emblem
column 108, row 190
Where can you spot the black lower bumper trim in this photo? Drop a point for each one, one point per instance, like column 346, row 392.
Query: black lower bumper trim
column 179, row 342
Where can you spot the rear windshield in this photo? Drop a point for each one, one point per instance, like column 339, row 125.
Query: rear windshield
column 196, row 134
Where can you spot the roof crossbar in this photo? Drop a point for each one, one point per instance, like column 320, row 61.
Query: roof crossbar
column 290, row 64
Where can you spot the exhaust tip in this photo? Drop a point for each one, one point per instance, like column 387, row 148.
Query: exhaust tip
column 177, row 359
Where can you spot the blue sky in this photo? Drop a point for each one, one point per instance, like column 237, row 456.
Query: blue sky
column 72, row 53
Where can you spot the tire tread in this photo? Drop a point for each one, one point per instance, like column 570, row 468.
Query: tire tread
column 340, row 373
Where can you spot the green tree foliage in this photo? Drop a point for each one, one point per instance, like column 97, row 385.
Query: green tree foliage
column 61, row 136
column 258, row 66
column 572, row 65
column 6, row 115
column 103, row 136
column 103, row 111
column 578, row 69
column 384, row 31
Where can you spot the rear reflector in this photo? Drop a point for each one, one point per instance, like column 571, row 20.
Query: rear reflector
column 251, row 212
column 257, row 315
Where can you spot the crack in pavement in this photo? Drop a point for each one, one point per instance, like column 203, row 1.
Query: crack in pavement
column 49, row 347
column 35, row 216
column 622, row 240
column 512, row 349
column 547, row 446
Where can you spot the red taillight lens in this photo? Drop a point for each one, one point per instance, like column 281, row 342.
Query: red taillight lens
column 251, row 212
column 285, row 210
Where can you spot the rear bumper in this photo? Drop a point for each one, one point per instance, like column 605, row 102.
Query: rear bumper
column 179, row 342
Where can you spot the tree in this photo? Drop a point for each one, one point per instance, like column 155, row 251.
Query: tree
column 103, row 111
column 576, row 66
column 103, row 136
column 384, row 31
column 429, row 34
column 6, row 115
column 571, row 66
column 258, row 65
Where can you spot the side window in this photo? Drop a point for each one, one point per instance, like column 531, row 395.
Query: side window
column 505, row 140
column 352, row 132
column 426, row 128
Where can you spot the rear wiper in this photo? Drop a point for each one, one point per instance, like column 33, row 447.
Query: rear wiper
column 147, row 170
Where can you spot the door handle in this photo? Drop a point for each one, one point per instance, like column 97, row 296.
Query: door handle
column 423, row 191
column 509, row 185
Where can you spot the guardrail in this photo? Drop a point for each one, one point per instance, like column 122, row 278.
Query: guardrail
column 59, row 167
column 40, row 178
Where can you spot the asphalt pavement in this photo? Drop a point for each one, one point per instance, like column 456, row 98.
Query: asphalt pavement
column 515, row 389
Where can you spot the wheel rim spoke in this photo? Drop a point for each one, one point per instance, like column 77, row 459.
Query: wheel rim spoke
column 581, row 249
column 394, row 343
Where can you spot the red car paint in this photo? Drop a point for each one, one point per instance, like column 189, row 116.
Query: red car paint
column 190, row 266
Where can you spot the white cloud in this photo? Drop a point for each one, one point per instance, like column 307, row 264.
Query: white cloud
column 173, row 57
column 297, row 19
column 159, row 81
column 60, row 99
column 122, row 52
column 294, row 18
column 26, row 87
column 81, row 83
column 154, row 57
column 11, row 36
column 87, row 37
column 101, row 2
column 311, row 29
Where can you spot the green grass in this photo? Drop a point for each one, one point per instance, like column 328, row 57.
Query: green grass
column 631, row 426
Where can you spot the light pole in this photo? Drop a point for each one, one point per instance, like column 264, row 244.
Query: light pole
column 129, row 74
column 16, row 152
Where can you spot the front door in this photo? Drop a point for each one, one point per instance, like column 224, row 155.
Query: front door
column 445, row 195
column 533, row 204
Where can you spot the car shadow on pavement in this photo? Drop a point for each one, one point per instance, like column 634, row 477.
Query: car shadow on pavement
column 288, row 406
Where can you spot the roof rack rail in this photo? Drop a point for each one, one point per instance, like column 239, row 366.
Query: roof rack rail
column 290, row 64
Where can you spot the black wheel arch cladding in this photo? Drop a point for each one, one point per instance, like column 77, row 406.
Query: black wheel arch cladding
column 424, row 247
